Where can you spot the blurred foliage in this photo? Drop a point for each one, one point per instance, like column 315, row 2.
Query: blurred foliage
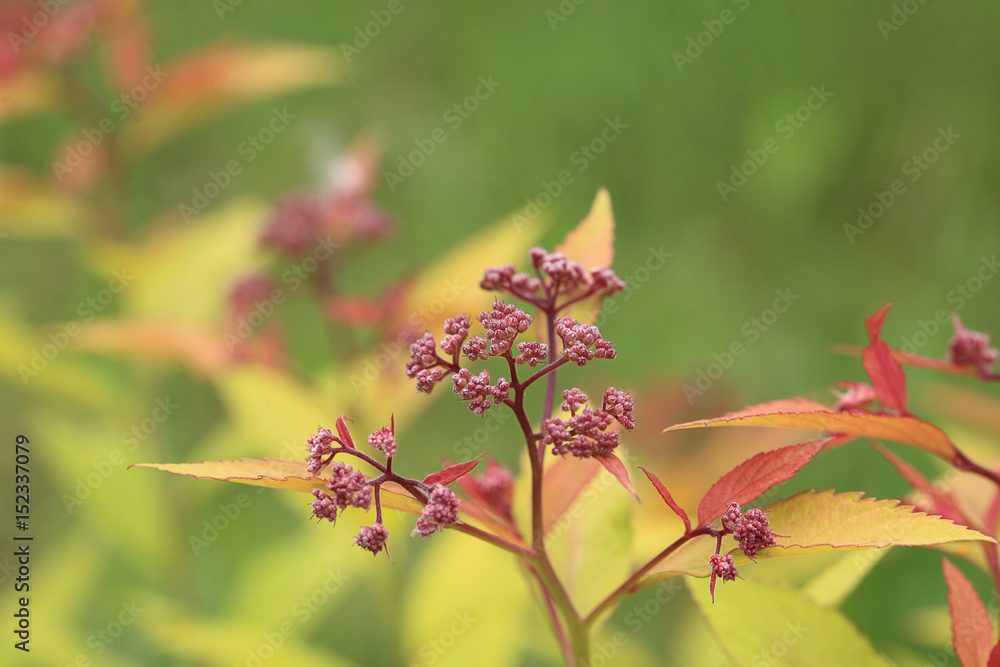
column 137, row 568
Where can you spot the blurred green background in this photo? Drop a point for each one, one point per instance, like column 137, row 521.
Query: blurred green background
column 915, row 103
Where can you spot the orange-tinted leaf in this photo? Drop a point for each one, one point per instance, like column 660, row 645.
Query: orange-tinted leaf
column 971, row 632
column 614, row 466
column 222, row 77
column 903, row 429
column 201, row 350
column 273, row 473
column 884, row 371
column 592, row 242
column 753, row 477
column 668, row 499
column 451, row 473
column 563, row 482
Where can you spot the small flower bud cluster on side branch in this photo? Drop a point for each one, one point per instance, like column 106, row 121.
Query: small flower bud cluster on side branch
column 753, row 532
column 349, row 487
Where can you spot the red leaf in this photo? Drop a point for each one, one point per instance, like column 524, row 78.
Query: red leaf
column 971, row 632
column 753, row 477
column 451, row 473
column 614, row 466
column 668, row 499
column 943, row 504
column 345, row 435
column 994, row 657
column 884, row 371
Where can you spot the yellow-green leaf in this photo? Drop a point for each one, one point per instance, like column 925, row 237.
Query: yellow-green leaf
column 763, row 625
column 592, row 242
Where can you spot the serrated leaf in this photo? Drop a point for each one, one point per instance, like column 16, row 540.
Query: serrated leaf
column 825, row 520
column 758, row 624
column 903, row 429
column 614, row 466
column 451, row 473
column 971, row 632
column 884, row 371
column 753, row 477
column 668, row 499
column 819, row 521
column 275, row 474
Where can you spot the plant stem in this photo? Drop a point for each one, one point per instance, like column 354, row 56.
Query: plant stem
column 630, row 585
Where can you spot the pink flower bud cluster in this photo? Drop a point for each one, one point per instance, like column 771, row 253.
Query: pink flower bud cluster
column 372, row 538
column 971, row 348
column 858, row 397
column 384, row 440
column 320, row 447
column 494, row 488
column 441, row 510
column 586, row 433
column 502, row 325
column 456, row 330
column 557, row 276
column 724, row 567
column 477, row 389
column 578, row 339
column 348, row 487
column 425, row 364
column 531, row 353
column 751, row 529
